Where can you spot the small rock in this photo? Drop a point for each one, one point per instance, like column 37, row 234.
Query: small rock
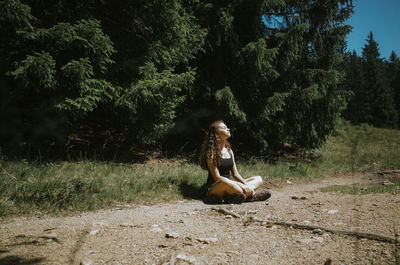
column 319, row 239
column 305, row 241
column 387, row 183
column 99, row 224
column 88, row 252
column 289, row 182
column 86, row 261
column 171, row 235
column 333, row 211
column 186, row 258
column 93, row 232
column 255, row 219
column 317, row 231
column 252, row 211
column 208, row 240
column 338, row 223
column 155, row 228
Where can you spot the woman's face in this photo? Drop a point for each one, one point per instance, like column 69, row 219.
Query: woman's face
column 223, row 131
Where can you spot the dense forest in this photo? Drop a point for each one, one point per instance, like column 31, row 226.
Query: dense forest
column 116, row 77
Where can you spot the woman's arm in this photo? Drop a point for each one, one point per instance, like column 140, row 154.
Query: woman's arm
column 235, row 172
column 214, row 170
column 216, row 175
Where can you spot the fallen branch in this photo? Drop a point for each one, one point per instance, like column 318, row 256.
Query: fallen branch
column 356, row 234
column 226, row 212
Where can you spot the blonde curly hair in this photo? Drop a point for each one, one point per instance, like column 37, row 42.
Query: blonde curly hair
column 210, row 148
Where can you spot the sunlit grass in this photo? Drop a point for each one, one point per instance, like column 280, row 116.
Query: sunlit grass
column 353, row 148
column 359, row 190
column 89, row 185
column 66, row 187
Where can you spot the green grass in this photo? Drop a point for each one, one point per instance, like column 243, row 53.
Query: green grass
column 360, row 190
column 68, row 187
column 88, row 185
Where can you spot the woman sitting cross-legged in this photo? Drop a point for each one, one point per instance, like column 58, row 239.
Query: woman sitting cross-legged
column 217, row 157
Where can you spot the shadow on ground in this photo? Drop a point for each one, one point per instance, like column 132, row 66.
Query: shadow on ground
column 15, row 260
column 191, row 191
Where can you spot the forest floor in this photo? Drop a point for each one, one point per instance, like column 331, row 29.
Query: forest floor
column 191, row 232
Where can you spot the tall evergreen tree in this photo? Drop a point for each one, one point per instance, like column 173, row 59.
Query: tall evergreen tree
column 52, row 76
column 270, row 69
column 382, row 111
column 67, row 81
column 394, row 77
column 359, row 106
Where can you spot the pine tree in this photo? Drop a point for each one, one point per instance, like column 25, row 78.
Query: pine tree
column 359, row 107
column 54, row 75
column 157, row 41
column 393, row 71
column 376, row 84
column 270, row 69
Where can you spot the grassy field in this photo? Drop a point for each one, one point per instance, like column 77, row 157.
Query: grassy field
column 69, row 187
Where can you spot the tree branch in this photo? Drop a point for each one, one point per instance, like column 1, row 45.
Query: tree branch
column 356, row 234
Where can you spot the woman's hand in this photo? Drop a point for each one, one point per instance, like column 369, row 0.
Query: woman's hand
column 247, row 190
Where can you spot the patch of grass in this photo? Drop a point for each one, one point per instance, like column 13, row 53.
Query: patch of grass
column 352, row 148
column 67, row 187
column 359, row 190
column 81, row 186
column 361, row 148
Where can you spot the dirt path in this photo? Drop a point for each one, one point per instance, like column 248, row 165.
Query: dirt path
column 190, row 232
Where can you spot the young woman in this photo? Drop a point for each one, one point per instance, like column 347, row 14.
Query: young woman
column 217, row 157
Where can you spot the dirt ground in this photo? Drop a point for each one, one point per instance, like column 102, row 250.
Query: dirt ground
column 190, row 232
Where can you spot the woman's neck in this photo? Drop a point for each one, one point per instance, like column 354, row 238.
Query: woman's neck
column 222, row 144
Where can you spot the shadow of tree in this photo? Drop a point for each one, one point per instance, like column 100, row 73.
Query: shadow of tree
column 15, row 260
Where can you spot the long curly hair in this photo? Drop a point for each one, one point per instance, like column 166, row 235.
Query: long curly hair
column 210, row 148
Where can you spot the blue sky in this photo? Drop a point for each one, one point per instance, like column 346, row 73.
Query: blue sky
column 383, row 19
